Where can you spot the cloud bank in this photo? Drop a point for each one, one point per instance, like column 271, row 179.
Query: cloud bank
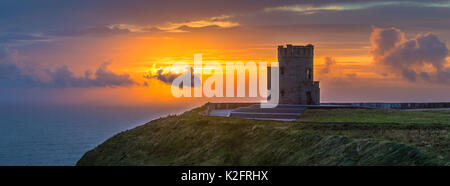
column 12, row 74
column 419, row 58
column 62, row 77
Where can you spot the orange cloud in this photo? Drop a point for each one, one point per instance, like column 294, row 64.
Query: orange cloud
column 422, row 57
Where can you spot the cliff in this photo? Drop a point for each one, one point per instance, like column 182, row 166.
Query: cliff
column 193, row 139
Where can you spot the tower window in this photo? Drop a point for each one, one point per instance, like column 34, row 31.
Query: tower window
column 282, row 93
column 281, row 70
column 308, row 73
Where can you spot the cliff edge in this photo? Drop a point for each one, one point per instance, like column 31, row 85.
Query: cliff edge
column 193, row 139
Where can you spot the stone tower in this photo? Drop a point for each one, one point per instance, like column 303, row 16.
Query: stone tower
column 297, row 85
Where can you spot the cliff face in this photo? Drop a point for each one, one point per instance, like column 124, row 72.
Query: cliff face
column 191, row 139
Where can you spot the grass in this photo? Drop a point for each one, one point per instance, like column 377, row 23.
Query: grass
column 427, row 129
column 439, row 117
column 192, row 139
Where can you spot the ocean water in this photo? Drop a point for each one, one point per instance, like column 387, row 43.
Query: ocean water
column 60, row 135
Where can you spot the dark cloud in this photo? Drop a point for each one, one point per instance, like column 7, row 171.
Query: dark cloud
column 422, row 57
column 96, row 31
column 14, row 75
column 169, row 77
column 8, row 38
column 166, row 78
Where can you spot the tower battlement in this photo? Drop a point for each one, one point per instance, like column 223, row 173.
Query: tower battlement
column 295, row 51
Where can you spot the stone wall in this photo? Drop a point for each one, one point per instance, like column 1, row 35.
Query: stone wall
column 397, row 105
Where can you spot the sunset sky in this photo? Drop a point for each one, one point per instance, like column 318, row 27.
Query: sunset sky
column 109, row 51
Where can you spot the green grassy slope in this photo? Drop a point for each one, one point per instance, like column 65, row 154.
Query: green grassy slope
column 191, row 139
column 377, row 116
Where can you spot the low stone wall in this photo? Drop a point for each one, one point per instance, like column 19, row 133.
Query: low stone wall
column 230, row 105
column 219, row 106
column 396, row 105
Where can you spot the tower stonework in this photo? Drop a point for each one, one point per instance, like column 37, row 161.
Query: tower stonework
column 296, row 67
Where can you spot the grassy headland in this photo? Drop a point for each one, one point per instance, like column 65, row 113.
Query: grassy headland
column 318, row 137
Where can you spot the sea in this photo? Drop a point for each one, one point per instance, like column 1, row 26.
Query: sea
column 35, row 135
